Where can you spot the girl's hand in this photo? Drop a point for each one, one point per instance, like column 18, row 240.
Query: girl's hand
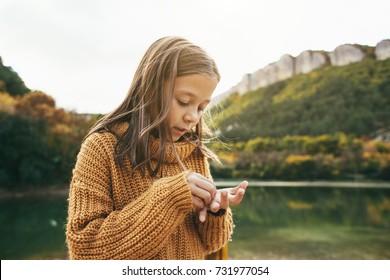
column 224, row 198
column 223, row 203
column 202, row 189
column 234, row 197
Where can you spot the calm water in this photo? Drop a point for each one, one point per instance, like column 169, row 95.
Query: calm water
column 312, row 223
column 33, row 228
column 272, row 223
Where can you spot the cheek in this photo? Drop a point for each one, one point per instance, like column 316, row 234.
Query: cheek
column 172, row 116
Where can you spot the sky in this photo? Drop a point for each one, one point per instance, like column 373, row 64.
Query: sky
column 84, row 52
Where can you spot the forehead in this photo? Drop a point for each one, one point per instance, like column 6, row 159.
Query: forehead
column 195, row 86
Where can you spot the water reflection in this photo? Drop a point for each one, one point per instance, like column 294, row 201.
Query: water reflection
column 289, row 206
column 33, row 228
column 312, row 223
column 271, row 223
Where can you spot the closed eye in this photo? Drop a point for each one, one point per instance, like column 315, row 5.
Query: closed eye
column 182, row 103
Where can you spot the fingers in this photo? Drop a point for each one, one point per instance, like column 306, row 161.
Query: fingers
column 233, row 191
column 197, row 202
column 201, row 187
column 201, row 194
column 220, row 201
column 241, row 186
column 203, row 214
column 237, row 198
column 202, row 182
column 214, row 205
column 237, row 194
column 224, row 203
column 205, row 195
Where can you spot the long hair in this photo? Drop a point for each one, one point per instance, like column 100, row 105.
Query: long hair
column 147, row 105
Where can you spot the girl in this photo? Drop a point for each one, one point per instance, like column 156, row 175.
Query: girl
column 141, row 187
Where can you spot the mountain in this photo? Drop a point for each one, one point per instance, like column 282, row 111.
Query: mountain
column 352, row 97
column 307, row 61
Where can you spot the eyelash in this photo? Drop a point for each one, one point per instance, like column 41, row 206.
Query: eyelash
column 184, row 104
column 181, row 103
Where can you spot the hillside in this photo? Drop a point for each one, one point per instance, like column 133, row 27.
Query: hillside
column 38, row 141
column 354, row 99
column 307, row 61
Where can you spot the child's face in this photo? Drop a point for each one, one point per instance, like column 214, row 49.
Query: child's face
column 191, row 95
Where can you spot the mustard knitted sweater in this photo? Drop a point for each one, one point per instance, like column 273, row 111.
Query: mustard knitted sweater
column 113, row 215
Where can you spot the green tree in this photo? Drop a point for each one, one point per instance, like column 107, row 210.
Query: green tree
column 11, row 82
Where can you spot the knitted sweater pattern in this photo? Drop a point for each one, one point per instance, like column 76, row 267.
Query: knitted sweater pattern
column 112, row 215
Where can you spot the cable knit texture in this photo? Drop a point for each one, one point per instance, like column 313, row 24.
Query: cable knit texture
column 113, row 215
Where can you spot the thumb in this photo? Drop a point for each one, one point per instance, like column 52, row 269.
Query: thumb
column 203, row 214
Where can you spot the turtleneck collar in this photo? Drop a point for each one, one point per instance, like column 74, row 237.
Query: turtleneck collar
column 183, row 148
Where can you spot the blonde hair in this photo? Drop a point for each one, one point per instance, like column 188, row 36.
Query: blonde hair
column 147, row 104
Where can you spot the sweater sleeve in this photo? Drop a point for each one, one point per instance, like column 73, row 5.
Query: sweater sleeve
column 96, row 230
column 215, row 231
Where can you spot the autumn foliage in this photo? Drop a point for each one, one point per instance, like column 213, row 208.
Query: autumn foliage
column 39, row 142
column 325, row 157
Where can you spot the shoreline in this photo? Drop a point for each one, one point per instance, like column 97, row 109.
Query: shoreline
column 62, row 190
column 327, row 184
column 49, row 191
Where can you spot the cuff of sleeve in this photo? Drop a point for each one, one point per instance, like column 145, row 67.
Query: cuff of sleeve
column 219, row 213
column 216, row 231
column 176, row 191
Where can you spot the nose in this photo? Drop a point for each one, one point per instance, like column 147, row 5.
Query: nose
column 192, row 116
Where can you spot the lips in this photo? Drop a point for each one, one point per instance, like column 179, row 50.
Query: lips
column 180, row 131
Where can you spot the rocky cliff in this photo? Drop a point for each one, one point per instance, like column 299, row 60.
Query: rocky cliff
column 306, row 62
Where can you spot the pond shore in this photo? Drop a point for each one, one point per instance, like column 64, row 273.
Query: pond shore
column 335, row 184
column 57, row 190
column 62, row 190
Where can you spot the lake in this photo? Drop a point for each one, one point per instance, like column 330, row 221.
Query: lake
column 276, row 220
